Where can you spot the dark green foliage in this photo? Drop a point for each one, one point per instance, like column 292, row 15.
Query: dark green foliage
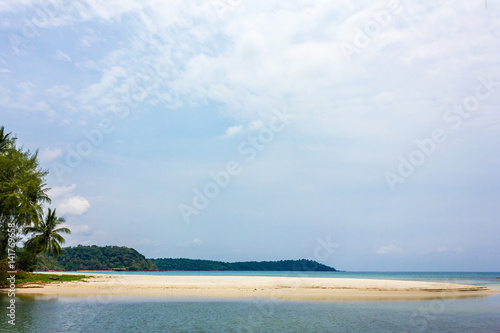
column 282, row 265
column 27, row 260
column 4, row 267
column 22, row 190
column 22, row 194
column 190, row 265
column 98, row 258
column 209, row 265
column 25, row 277
column 48, row 263
column 46, row 235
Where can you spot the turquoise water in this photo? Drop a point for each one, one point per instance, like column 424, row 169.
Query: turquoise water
column 90, row 314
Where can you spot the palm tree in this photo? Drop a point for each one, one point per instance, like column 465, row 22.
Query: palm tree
column 5, row 139
column 47, row 238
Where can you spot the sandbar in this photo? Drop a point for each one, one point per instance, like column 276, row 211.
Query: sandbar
column 116, row 286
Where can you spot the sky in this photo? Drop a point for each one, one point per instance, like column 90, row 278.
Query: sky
column 361, row 134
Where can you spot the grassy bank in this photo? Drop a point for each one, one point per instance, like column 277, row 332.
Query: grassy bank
column 27, row 278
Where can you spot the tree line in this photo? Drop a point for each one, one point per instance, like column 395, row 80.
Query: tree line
column 23, row 209
column 168, row 264
column 106, row 258
column 96, row 258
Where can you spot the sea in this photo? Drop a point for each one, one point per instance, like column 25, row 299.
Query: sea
column 111, row 314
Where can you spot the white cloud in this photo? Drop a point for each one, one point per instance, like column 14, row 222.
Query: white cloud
column 67, row 203
column 61, row 191
column 74, row 205
column 60, row 91
column 232, row 131
column 106, row 86
column 388, row 249
column 313, row 72
column 60, row 55
column 252, row 126
column 247, row 63
column 48, row 155
column 46, row 108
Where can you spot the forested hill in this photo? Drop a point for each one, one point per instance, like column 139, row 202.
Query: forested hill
column 106, row 258
column 93, row 258
column 209, row 265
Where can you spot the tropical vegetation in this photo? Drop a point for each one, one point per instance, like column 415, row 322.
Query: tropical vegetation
column 106, row 258
column 209, row 265
column 97, row 258
column 25, row 277
column 47, row 237
column 23, row 196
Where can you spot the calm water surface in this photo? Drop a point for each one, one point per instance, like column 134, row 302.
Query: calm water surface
column 94, row 314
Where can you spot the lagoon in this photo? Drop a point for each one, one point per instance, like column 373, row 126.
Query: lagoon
column 91, row 314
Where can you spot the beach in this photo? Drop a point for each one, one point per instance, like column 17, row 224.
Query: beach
column 248, row 287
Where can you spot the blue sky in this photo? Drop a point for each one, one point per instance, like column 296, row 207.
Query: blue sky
column 363, row 135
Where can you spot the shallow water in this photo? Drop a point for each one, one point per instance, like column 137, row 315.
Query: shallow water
column 100, row 314
column 91, row 315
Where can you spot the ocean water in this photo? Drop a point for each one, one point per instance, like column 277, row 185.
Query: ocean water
column 94, row 314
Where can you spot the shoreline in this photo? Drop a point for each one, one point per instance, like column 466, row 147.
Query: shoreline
column 115, row 286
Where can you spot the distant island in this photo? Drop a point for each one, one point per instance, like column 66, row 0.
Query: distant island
column 122, row 258
column 210, row 265
column 96, row 258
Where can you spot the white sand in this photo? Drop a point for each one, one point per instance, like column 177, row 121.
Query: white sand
column 277, row 288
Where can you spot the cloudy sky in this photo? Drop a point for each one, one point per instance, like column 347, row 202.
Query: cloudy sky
column 362, row 134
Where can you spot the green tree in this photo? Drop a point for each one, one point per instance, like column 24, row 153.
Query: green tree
column 5, row 139
column 23, row 190
column 47, row 237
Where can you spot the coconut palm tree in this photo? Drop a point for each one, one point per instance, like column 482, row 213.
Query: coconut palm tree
column 47, row 238
column 5, row 139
